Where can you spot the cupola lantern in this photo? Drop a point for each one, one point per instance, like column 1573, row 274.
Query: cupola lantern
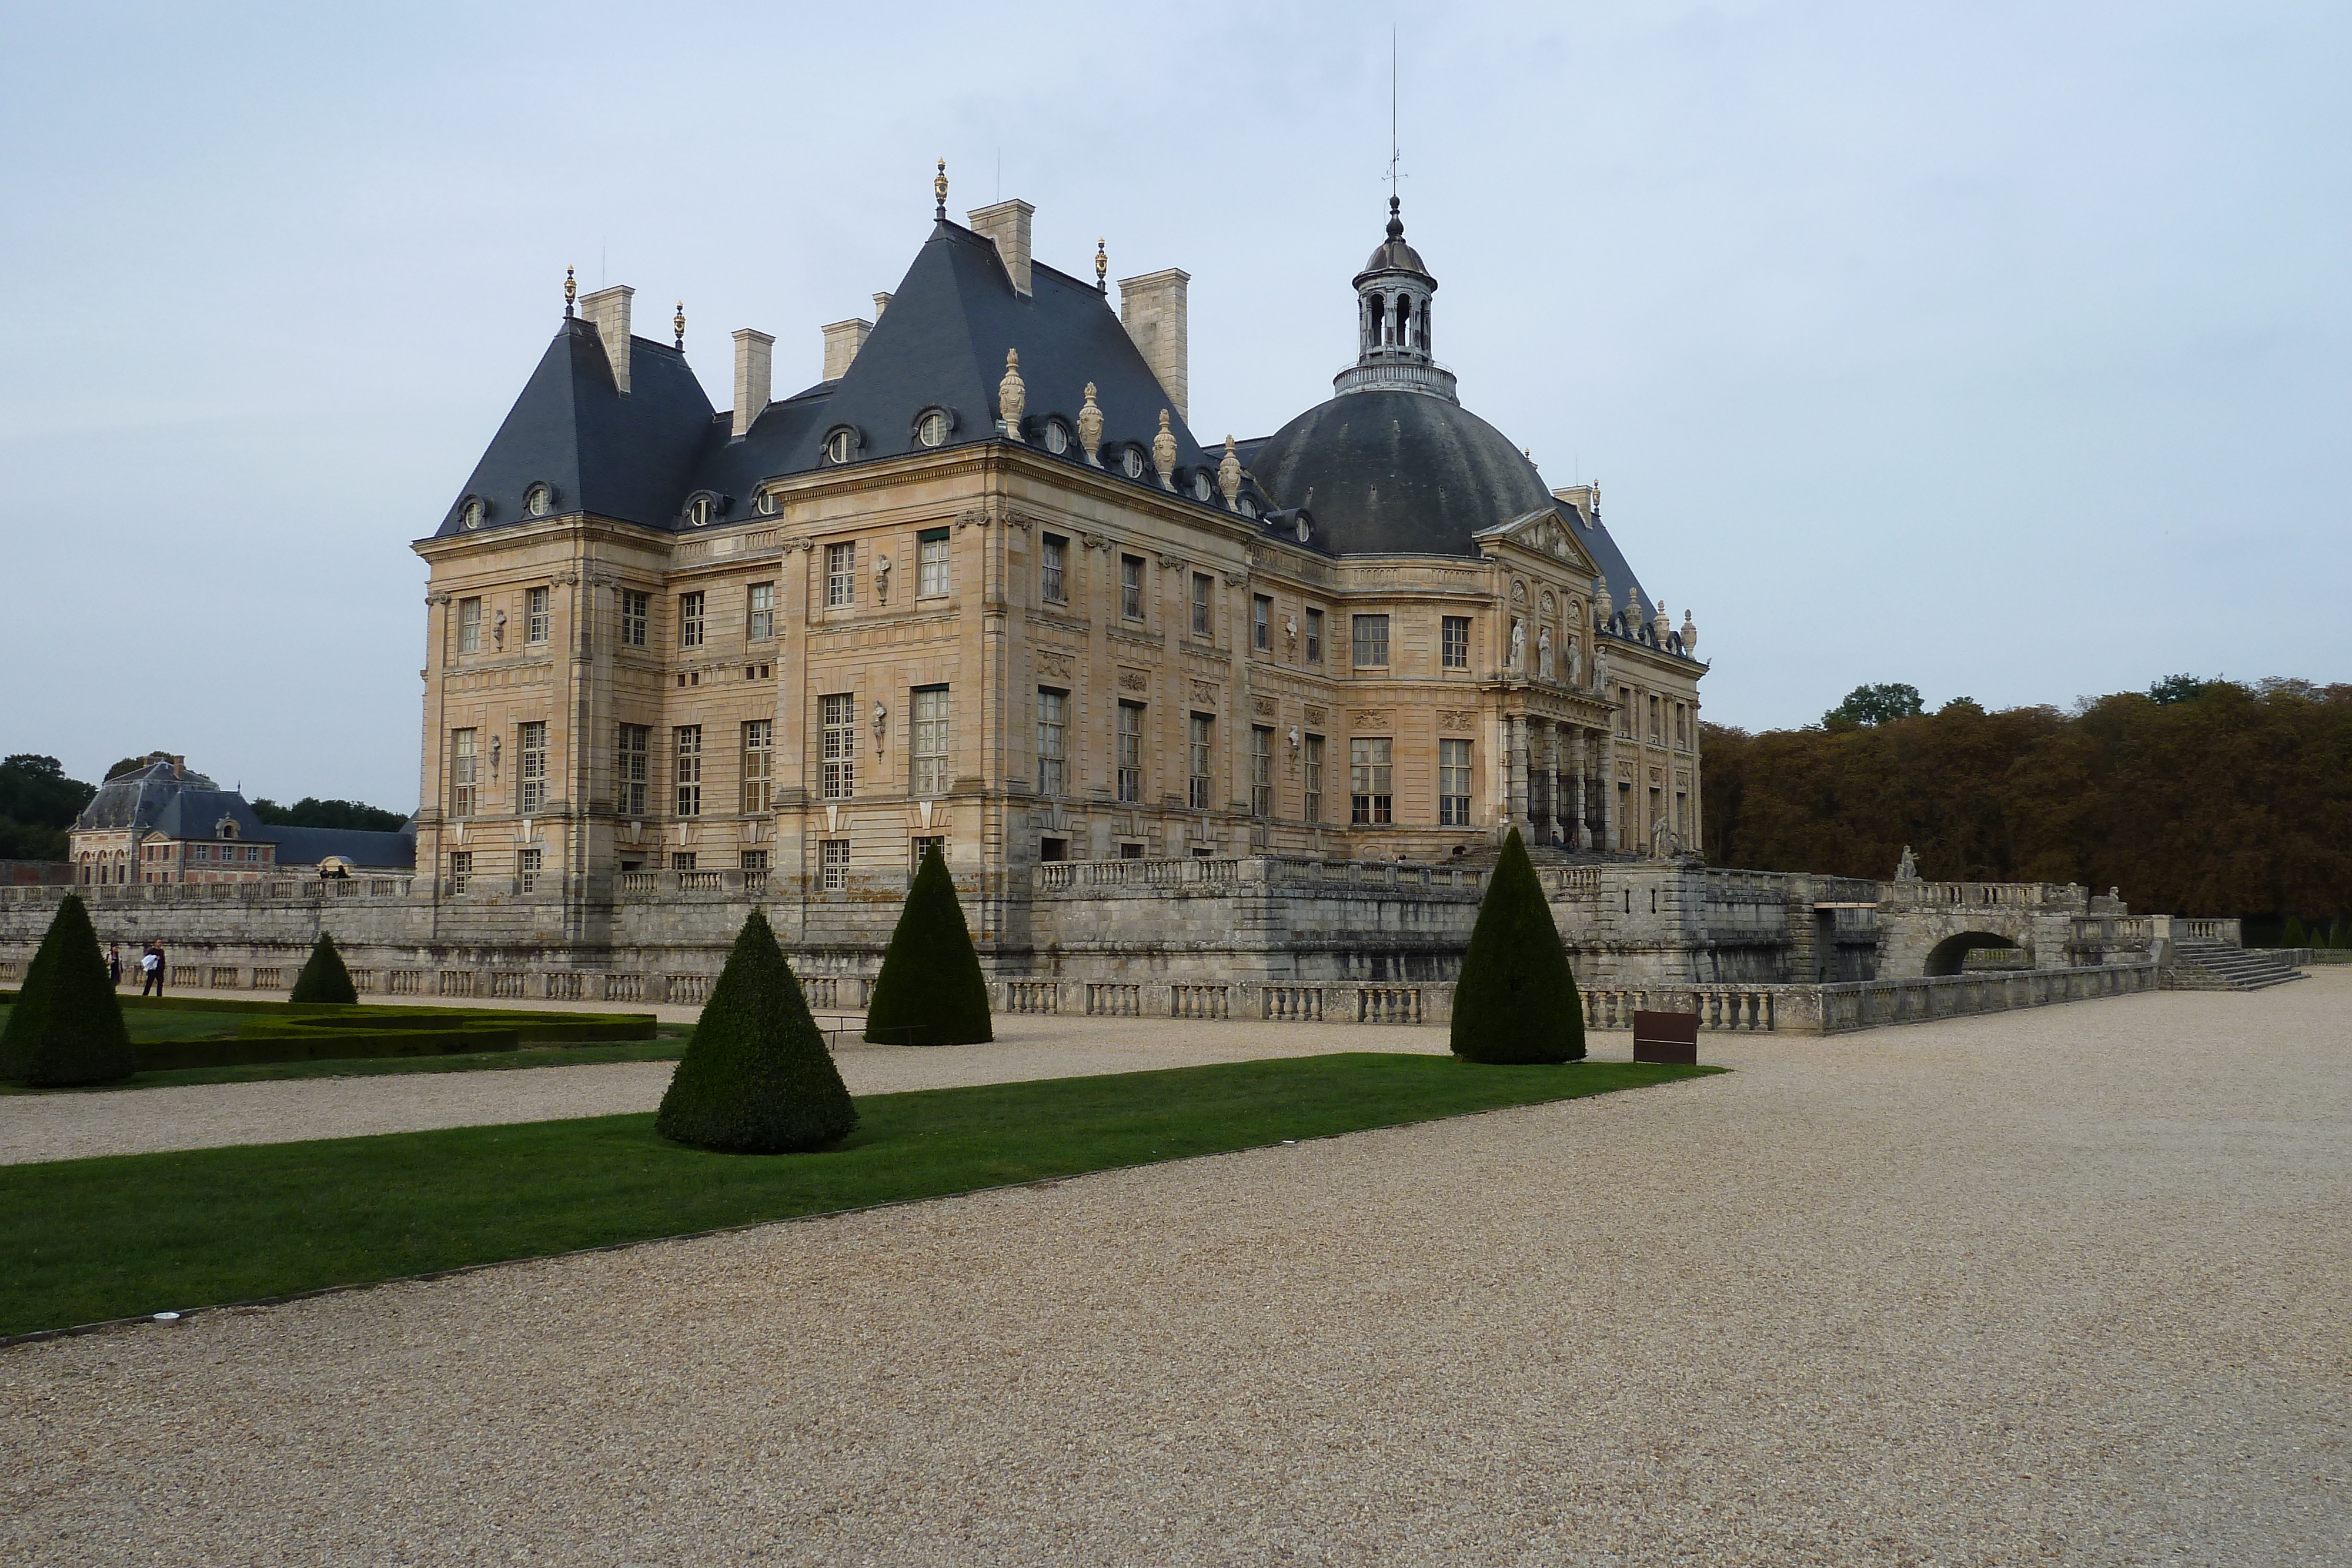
column 1393, row 330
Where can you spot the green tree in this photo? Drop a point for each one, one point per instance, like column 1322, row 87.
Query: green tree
column 38, row 804
column 1516, row 1000
column 930, row 990
column 311, row 812
column 756, row 1078
column 67, row 1025
column 324, row 979
column 2176, row 689
column 2295, row 936
column 1871, row 705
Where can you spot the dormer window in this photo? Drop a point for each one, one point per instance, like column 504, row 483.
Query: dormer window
column 764, row 503
column 228, row 829
column 1248, row 506
column 702, row 510
column 1130, row 463
column 473, row 513
column 539, row 500
column 931, row 427
column 1202, row 486
column 841, row 444
column 1057, row 437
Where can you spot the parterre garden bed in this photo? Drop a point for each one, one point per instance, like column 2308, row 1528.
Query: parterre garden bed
column 93, row 1239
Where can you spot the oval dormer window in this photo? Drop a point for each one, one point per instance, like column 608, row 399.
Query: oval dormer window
column 1202, row 488
column 699, row 512
column 764, row 503
column 539, row 500
column 1306, row 530
column 1248, row 506
column 1057, row 437
column 473, row 513
column 1130, row 463
column 932, row 430
column 841, row 445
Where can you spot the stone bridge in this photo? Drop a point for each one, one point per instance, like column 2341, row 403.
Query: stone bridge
column 1929, row 928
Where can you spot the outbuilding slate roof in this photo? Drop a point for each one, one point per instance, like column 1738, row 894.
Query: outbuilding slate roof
column 941, row 344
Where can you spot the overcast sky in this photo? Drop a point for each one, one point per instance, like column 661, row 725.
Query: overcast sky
column 1996, row 348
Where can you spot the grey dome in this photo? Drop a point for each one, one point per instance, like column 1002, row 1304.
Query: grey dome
column 1398, row 473
column 1392, row 254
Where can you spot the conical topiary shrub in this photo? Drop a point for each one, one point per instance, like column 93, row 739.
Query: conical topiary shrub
column 756, row 1078
column 930, row 990
column 67, row 1026
column 1516, row 1000
column 324, row 979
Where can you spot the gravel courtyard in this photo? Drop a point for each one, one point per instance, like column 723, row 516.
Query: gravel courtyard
column 2065, row 1286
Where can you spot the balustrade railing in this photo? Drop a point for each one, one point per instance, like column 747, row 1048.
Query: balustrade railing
column 1199, row 1001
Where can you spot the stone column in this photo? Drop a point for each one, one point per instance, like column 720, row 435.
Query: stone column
column 1543, row 763
column 1607, row 773
column 1576, row 753
column 1519, row 759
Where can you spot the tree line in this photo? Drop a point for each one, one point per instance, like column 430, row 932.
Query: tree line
column 2197, row 797
column 38, row 803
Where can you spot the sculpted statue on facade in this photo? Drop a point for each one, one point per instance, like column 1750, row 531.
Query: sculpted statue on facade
column 1907, row 870
column 1575, row 661
column 1543, row 652
column 1518, row 644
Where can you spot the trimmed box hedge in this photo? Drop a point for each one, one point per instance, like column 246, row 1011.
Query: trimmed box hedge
column 321, row 1045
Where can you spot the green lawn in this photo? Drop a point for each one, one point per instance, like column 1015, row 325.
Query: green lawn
column 91, row 1239
column 173, row 1024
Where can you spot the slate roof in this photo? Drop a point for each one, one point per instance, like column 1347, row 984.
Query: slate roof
column 941, row 344
column 367, row 850
column 191, row 806
column 135, row 800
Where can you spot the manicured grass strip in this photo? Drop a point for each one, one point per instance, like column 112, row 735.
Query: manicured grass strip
column 87, row 1240
column 173, row 1024
column 665, row 1050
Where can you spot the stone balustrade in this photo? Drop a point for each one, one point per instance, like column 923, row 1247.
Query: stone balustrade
column 2036, row 895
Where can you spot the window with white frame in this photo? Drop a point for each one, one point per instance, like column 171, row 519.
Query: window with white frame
column 462, row 762
column 530, row 768
column 469, row 626
column 923, row 846
column 759, row 621
column 461, row 870
column 1056, row 556
column 1130, row 586
column 1202, row 586
column 637, row 609
column 752, row 860
column 633, row 769
column 686, row 754
column 1200, row 752
column 1455, row 655
column 833, row 865
column 1261, row 771
column 1052, row 728
column 840, row 575
column 930, row 563
column 1261, row 623
column 1312, row 767
column 683, row 860
column 527, row 864
column 1372, row 641
column 1130, row 752
column 689, row 620
column 839, row 715
column 758, row 763
column 1453, row 783
column 535, row 616
column 1371, row 798
column 1315, row 636
column 929, row 747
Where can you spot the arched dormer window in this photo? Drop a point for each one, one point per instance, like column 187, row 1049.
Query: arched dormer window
column 703, row 508
column 226, row 828
column 539, row 500
column 842, row 443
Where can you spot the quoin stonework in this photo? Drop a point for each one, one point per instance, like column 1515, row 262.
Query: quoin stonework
column 1226, row 726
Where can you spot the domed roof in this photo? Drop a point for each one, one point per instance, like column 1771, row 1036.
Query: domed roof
column 1398, row 471
column 1392, row 254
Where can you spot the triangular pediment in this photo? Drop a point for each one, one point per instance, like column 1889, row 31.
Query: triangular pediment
column 1547, row 533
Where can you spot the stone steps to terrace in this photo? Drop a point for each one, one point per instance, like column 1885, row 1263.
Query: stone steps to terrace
column 2225, row 969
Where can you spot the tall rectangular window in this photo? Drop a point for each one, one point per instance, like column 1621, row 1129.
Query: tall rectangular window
column 461, row 870
column 687, row 753
column 1051, row 586
column 461, row 772
column 1657, row 736
column 1681, row 726
column 1130, row 752
column 535, row 617
column 840, row 575
column 839, row 713
column 759, row 621
column 833, row 865
column 758, row 763
column 922, row 845
column 632, row 768
column 469, row 625
column 1261, row 771
column 1261, row 623
column 1313, row 773
column 1625, row 710
column 530, row 768
column 1201, row 584
column 1130, row 586
column 1315, row 636
column 1453, row 783
column 1053, row 730
column 1370, row 800
column 1455, row 655
column 1372, row 641
column 929, row 748
column 931, row 563
column 527, row 864
column 1199, row 752
column 689, row 620
column 635, row 609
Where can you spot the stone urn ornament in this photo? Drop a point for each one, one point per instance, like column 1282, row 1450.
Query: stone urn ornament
column 1229, row 477
column 1164, row 452
column 1012, row 395
column 1090, row 424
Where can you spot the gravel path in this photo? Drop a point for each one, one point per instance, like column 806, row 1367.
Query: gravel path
column 201, row 1116
column 2062, row 1286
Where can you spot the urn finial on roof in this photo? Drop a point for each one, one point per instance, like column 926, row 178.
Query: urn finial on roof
column 1012, row 395
column 677, row 325
column 1090, row 424
column 1102, row 267
column 1164, row 452
column 940, row 191
column 570, row 290
column 1229, row 476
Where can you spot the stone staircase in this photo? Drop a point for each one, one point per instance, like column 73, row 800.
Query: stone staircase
column 2217, row 966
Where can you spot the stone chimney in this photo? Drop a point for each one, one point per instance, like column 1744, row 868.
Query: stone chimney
column 1007, row 223
column 755, row 357
column 842, row 341
column 1153, row 310
column 881, row 303
column 607, row 310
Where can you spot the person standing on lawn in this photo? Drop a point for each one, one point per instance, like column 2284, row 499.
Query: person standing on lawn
column 114, row 965
column 151, row 962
